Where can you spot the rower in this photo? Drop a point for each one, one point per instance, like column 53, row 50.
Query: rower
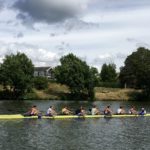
column 108, row 111
column 142, row 112
column 120, row 111
column 32, row 112
column 83, row 112
column 66, row 111
column 95, row 110
column 51, row 111
column 80, row 112
column 133, row 111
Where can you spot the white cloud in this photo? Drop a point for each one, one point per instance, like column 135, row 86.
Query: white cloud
column 40, row 57
column 104, row 56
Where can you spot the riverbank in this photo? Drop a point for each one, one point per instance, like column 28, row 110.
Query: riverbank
column 58, row 92
column 102, row 93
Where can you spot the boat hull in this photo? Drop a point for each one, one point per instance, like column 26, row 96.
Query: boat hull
column 19, row 116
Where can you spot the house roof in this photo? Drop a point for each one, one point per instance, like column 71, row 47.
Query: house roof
column 42, row 68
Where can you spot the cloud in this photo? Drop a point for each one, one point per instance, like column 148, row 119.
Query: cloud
column 39, row 57
column 109, row 58
column 117, row 5
column 138, row 42
column 63, row 46
column 53, row 34
column 122, row 56
column 19, row 35
column 1, row 4
column 76, row 24
column 103, row 58
column 48, row 11
column 47, row 58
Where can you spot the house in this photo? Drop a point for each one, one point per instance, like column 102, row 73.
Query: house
column 43, row 72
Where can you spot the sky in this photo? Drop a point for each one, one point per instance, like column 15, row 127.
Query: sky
column 97, row 31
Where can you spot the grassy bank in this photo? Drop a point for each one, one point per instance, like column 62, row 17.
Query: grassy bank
column 115, row 93
column 58, row 92
column 53, row 92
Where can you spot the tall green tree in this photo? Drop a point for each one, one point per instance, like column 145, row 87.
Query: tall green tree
column 95, row 76
column 108, row 73
column 136, row 72
column 16, row 73
column 76, row 74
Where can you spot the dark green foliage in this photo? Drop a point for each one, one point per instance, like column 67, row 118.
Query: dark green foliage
column 136, row 72
column 40, row 83
column 115, row 84
column 95, row 76
column 16, row 73
column 108, row 73
column 77, row 75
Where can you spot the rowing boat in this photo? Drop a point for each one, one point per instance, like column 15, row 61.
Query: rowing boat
column 19, row 116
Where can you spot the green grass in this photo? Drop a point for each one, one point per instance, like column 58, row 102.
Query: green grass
column 53, row 92
column 1, row 87
column 115, row 93
column 58, row 92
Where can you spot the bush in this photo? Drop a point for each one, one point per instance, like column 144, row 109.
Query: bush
column 40, row 83
column 110, row 84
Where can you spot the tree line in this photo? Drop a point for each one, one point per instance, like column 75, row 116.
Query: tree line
column 16, row 75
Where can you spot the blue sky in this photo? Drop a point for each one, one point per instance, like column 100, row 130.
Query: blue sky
column 98, row 31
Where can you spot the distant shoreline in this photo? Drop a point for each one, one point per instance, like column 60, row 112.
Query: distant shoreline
column 57, row 91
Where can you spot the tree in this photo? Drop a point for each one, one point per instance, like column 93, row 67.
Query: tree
column 16, row 73
column 76, row 74
column 95, row 77
column 40, row 83
column 108, row 73
column 136, row 72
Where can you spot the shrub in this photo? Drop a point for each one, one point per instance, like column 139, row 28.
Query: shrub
column 40, row 83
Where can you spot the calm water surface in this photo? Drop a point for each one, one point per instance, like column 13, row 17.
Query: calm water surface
column 73, row 134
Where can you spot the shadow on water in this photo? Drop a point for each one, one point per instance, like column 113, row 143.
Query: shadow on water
column 107, row 119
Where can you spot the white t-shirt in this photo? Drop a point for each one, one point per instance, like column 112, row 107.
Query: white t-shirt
column 93, row 111
column 49, row 111
column 119, row 110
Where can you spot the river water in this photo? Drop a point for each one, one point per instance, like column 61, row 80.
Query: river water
column 73, row 134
